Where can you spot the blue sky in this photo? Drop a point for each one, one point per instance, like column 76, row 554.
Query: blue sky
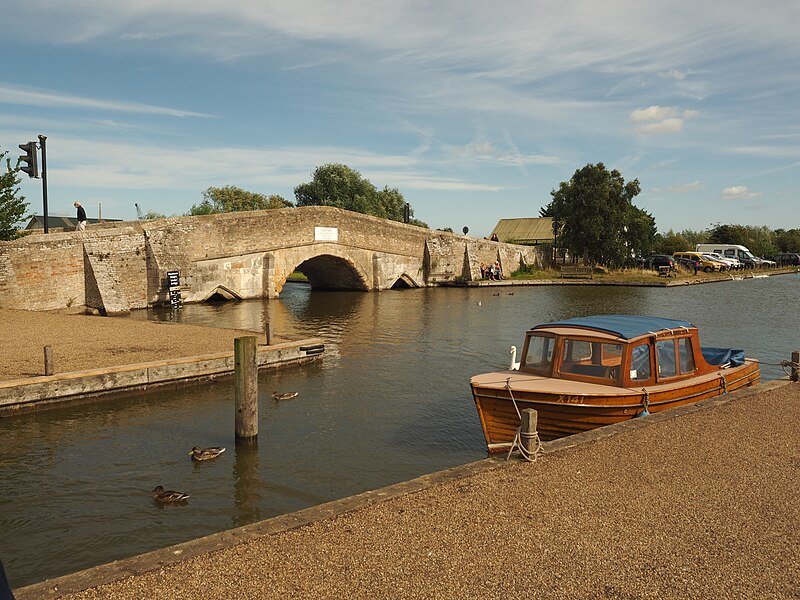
column 475, row 111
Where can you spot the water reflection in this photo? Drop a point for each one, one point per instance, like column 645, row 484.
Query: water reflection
column 247, row 484
column 389, row 401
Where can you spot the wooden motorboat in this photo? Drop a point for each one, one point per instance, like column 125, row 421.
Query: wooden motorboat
column 584, row 373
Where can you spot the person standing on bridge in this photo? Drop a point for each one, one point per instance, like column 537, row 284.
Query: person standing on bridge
column 81, row 217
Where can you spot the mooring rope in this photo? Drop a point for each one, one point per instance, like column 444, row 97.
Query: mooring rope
column 786, row 365
column 645, row 404
column 516, row 443
column 724, row 383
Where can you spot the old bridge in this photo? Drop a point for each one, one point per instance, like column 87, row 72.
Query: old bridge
column 119, row 266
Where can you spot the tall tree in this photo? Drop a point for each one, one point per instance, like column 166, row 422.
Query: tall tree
column 12, row 205
column 234, row 199
column 597, row 218
column 338, row 185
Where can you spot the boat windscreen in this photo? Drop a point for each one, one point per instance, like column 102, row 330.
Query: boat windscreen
column 539, row 354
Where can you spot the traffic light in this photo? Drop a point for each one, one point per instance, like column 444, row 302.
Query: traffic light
column 32, row 166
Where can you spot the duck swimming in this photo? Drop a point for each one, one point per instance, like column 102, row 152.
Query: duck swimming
column 168, row 496
column 285, row 395
column 205, row 453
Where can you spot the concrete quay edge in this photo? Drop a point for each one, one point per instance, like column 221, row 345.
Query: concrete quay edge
column 143, row 563
column 22, row 395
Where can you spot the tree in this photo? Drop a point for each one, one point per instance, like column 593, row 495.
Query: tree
column 671, row 242
column 597, row 219
column 12, row 205
column 338, row 185
column 234, row 199
column 788, row 240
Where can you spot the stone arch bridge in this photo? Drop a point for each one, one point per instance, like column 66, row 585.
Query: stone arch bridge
column 115, row 267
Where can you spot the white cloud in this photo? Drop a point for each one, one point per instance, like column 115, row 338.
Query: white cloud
column 739, row 192
column 680, row 188
column 39, row 97
column 673, row 74
column 661, row 119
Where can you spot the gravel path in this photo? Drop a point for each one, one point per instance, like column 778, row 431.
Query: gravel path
column 81, row 342
column 699, row 506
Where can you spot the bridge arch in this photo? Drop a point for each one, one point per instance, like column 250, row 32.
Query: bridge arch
column 220, row 293
column 327, row 267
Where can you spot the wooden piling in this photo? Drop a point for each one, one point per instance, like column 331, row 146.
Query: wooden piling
column 48, row 361
column 246, row 389
column 268, row 333
column 528, row 436
column 795, row 376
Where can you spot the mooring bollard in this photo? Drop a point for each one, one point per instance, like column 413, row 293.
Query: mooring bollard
column 246, row 389
column 528, row 436
column 268, row 333
column 795, row 376
column 48, row 361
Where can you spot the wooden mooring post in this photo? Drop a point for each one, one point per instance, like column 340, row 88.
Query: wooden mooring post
column 246, row 389
column 268, row 333
column 48, row 361
column 528, row 436
column 795, row 376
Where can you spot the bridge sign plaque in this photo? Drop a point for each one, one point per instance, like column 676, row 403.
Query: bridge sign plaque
column 326, row 234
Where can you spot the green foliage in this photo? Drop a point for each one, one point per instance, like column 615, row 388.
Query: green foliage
column 12, row 205
column 234, row 199
column 151, row 214
column 340, row 186
column 787, row 240
column 671, row 242
column 597, row 218
column 445, row 229
column 523, row 271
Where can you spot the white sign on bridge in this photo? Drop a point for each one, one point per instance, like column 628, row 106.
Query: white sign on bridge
column 326, row 234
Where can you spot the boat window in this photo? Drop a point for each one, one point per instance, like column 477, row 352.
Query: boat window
column 665, row 356
column 539, row 354
column 591, row 359
column 686, row 355
column 640, row 363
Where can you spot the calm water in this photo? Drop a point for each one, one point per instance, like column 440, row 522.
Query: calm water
column 389, row 401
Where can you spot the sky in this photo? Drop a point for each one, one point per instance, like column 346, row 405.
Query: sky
column 475, row 111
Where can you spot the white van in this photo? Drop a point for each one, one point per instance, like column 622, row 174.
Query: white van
column 732, row 251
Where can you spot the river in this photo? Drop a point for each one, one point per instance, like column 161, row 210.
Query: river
column 388, row 402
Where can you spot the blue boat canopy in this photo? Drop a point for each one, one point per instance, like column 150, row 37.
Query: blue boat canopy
column 625, row 326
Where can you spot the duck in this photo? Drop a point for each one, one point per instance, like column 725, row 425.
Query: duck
column 514, row 364
column 168, row 496
column 497, row 294
column 285, row 395
column 205, row 453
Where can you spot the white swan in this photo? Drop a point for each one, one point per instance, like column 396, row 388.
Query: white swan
column 514, row 364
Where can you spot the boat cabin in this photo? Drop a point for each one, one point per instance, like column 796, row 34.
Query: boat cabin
column 622, row 351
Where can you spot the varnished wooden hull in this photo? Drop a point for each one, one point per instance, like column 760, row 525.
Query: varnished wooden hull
column 562, row 413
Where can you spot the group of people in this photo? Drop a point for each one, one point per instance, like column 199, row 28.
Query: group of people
column 492, row 272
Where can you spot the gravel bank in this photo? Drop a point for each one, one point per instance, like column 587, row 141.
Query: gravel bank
column 81, row 342
column 699, row 506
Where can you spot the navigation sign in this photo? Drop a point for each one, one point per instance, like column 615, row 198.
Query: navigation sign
column 174, row 283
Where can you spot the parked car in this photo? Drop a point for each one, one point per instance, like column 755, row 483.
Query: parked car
column 654, row 261
column 706, row 264
column 787, row 259
column 765, row 262
column 692, row 264
column 732, row 262
column 723, row 266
